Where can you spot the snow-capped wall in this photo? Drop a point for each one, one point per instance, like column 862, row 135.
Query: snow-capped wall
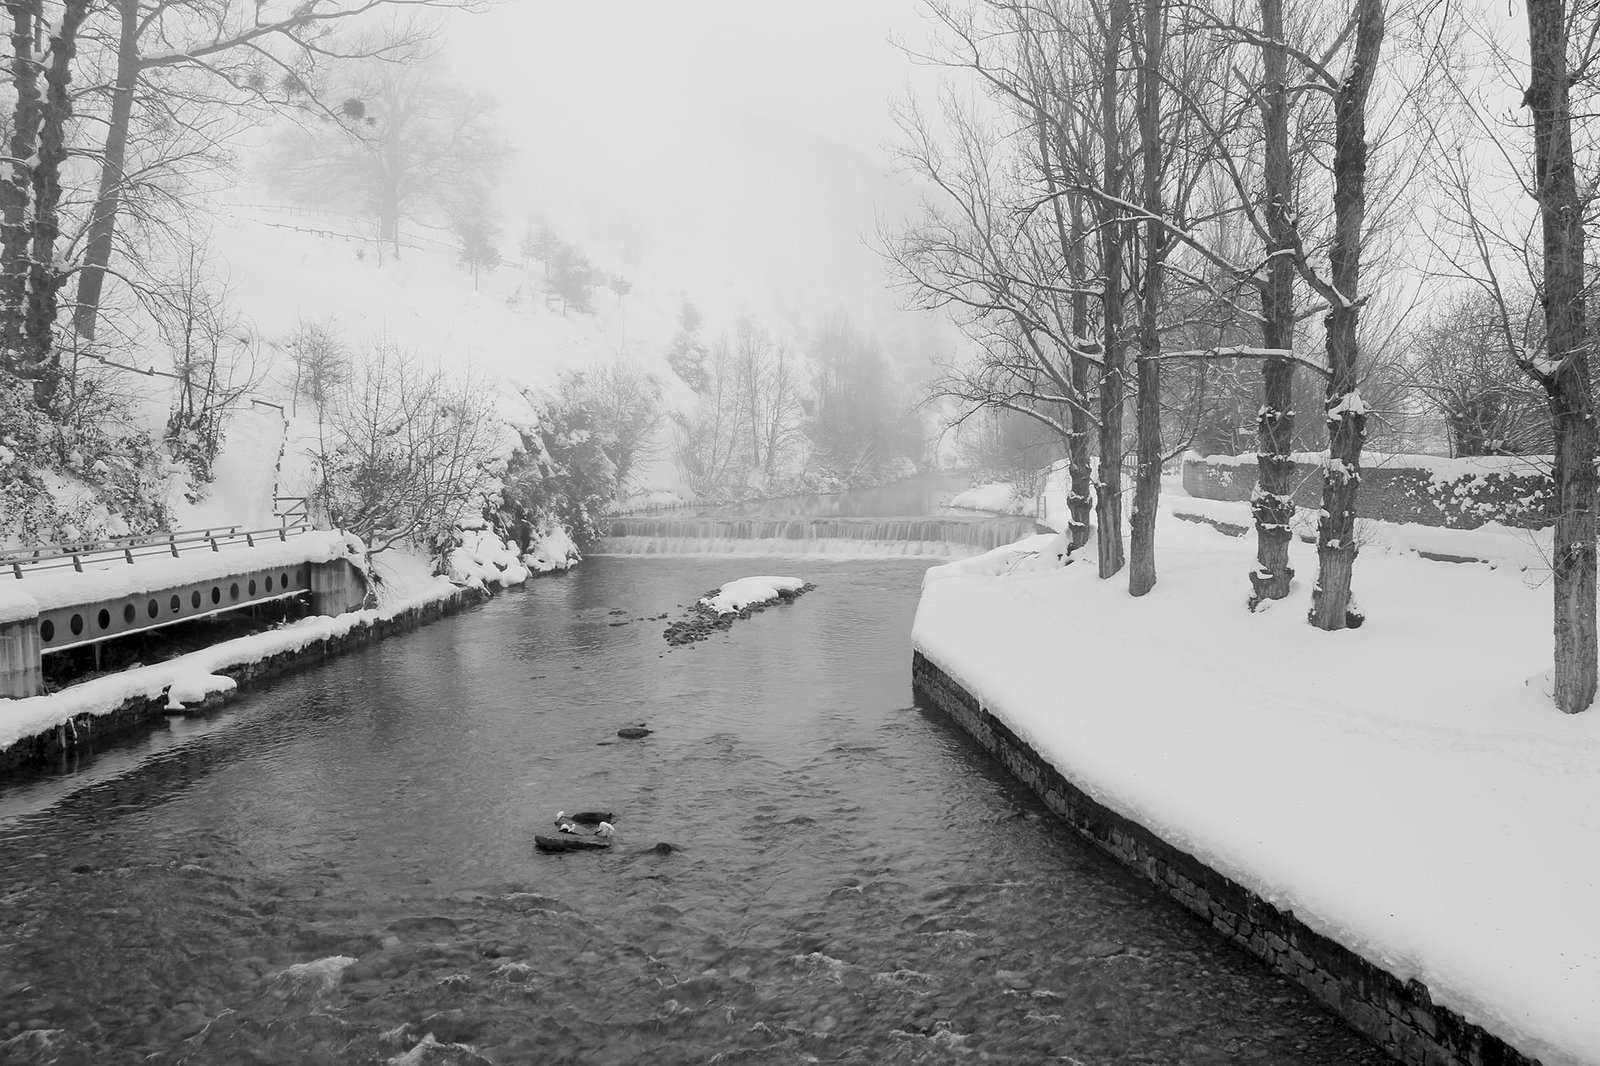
column 1512, row 490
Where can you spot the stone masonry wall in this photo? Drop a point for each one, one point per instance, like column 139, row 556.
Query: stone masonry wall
column 1397, row 1015
column 1459, row 493
column 82, row 734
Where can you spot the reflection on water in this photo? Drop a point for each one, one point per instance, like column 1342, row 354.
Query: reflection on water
column 344, row 863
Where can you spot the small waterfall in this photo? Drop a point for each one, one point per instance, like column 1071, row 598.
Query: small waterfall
column 941, row 537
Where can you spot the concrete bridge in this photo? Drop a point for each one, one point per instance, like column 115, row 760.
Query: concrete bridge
column 55, row 599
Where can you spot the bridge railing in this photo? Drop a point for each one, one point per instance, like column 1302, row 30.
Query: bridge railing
column 21, row 562
column 294, row 512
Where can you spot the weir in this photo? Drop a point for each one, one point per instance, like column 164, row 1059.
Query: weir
column 941, row 536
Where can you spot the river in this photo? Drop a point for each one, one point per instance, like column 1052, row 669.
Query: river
column 853, row 881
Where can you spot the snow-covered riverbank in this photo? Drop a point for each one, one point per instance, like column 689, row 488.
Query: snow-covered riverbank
column 403, row 584
column 1406, row 789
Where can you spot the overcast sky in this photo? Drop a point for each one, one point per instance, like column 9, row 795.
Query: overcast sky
column 747, row 132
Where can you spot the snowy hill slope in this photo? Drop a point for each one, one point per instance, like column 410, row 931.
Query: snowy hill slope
column 286, row 266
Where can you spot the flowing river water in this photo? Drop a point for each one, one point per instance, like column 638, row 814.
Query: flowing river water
column 333, row 866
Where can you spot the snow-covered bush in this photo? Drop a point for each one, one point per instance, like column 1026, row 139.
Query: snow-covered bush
column 409, row 450
column 83, row 475
column 479, row 556
column 561, row 475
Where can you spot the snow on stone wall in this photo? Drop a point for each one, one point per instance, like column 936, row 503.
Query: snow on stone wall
column 1423, row 489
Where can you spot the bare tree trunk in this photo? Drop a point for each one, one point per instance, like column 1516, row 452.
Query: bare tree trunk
column 1561, row 211
column 40, row 358
column 389, row 203
column 1108, row 494
column 16, row 190
column 1147, row 482
column 102, row 231
column 1080, row 499
column 1345, row 410
column 1272, row 503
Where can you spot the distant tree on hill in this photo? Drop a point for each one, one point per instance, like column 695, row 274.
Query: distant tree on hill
column 528, row 245
column 859, row 424
column 163, row 86
column 321, row 360
column 625, row 405
column 687, row 354
column 419, row 146
column 619, row 285
column 542, row 244
column 476, row 239
column 573, row 278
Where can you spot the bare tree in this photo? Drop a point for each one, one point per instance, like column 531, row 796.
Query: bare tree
column 854, row 428
column 624, row 403
column 1463, row 370
column 406, row 142
column 1272, row 504
column 477, row 240
column 408, row 450
column 31, row 276
column 769, row 398
column 708, row 437
column 227, row 54
column 321, row 360
column 215, row 359
column 1562, row 369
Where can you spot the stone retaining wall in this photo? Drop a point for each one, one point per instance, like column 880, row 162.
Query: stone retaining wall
column 1456, row 493
column 1397, row 1015
column 86, row 731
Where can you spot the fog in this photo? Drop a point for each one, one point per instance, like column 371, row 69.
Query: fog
column 745, row 139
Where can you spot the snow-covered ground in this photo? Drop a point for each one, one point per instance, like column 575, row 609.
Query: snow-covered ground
column 284, row 269
column 997, row 496
column 1406, row 788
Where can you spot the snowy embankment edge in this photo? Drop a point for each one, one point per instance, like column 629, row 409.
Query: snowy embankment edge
column 202, row 675
column 199, row 674
column 1424, row 813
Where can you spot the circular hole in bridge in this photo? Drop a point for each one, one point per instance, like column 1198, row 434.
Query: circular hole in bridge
column 194, row 598
column 47, row 631
column 152, row 608
column 176, row 604
column 76, row 625
column 216, row 594
column 104, row 618
column 233, row 591
column 253, row 585
column 269, row 583
column 129, row 613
